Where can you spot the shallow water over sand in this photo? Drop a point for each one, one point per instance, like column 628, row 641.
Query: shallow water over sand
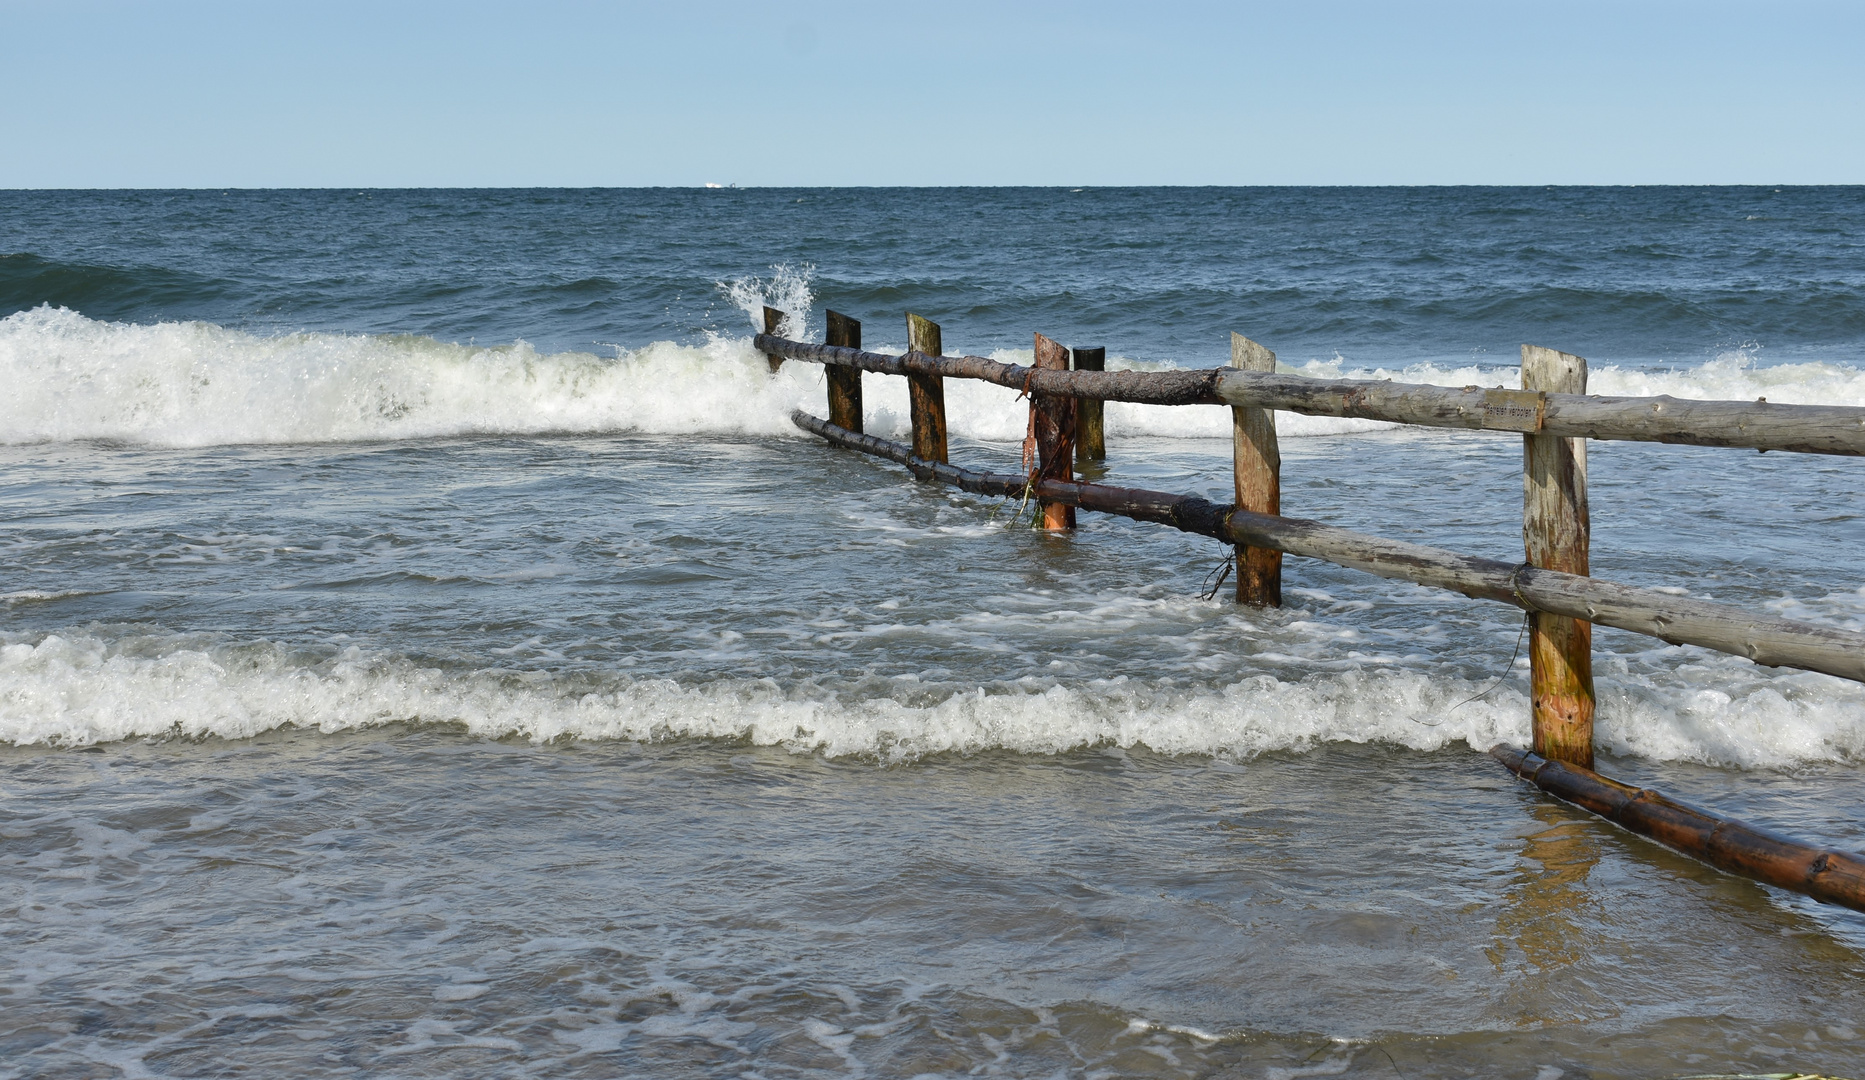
column 442, row 657
column 867, row 782
column 421, row 903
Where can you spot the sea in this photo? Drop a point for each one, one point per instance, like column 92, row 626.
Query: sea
column 428, row 649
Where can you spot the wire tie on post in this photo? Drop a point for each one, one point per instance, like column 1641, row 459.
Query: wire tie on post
column 1528, row 619
column 1222, row 572
column 1516, row 588
column 1028, row 378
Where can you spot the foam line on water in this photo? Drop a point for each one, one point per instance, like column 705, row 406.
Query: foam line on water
column 81, row 687
column 1732, row 375
column 70, row 377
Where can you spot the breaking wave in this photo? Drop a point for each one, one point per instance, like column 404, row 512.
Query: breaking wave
column 187, row 384
column 85, row 687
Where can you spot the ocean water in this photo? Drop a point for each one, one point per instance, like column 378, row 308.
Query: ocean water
column 427, row 648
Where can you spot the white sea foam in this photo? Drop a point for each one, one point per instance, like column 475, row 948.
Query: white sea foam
column 80, row 688
column 787, row 291
column 1733, row 375
column 196, row 384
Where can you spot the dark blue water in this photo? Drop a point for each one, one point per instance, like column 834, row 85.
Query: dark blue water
column 428, row 649
column 1164, row 272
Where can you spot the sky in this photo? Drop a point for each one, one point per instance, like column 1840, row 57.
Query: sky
column 103, row 93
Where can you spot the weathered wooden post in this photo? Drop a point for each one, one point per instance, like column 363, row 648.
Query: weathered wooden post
column 772, row 320
column 1555, row 534
column 1258, row 464
column 926, row 392
column 844, row 382
column 1052, row 419
column 1090, row 438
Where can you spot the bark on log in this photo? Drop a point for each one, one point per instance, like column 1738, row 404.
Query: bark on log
column 1556, row 535
column 1186, row 512
column 926, row 390
column 1052, row 420
column 1758, row 425
column 772, row 319
column 844, row 382
column 1256, row 462
column 978, row 483
column 1675, row 619
column 1090, row 426
column 1831, row 877
column 1146, row 387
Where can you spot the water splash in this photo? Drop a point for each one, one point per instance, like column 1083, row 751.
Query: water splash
column 787, row 290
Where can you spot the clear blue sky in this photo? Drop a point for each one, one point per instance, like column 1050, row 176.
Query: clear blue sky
column 386, row 93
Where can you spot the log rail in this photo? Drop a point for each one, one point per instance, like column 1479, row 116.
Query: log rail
column 1755, row 425
column 1553, row 416
column 1676, row 619
column 1831, row 877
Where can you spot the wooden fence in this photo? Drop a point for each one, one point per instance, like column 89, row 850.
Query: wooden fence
column 1554, row 417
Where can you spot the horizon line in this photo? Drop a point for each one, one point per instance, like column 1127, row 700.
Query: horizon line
column 915, row 187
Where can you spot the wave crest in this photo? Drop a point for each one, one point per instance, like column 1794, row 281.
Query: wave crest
column 80, row 688
column 197, row 384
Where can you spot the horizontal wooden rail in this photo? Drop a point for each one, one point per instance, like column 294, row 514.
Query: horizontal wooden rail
column 1144, row 387
column 1557, row 418
column 1755, row 425
column 1675, row 619
column 1832, row 877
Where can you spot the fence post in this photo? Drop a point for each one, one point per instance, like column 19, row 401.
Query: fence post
column 1090, row 436
column 772, row 320
column 844, row 382
column 926, row 393
column 1258, row 464
column 1052, row 417
column 1555, row 535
